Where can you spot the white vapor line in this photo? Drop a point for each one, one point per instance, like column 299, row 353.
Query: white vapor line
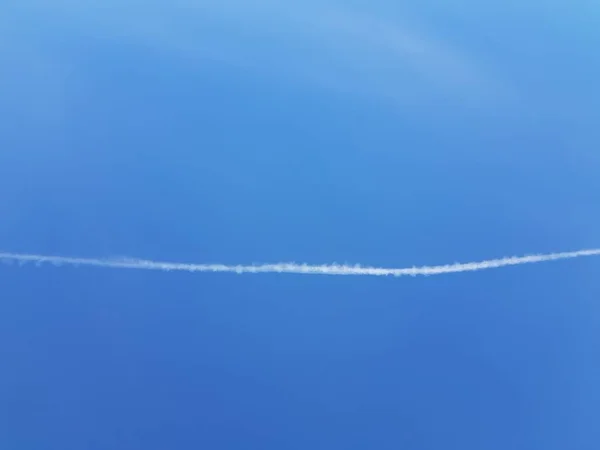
column 306, row 269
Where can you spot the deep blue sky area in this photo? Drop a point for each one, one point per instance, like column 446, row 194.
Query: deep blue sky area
column 380, row 133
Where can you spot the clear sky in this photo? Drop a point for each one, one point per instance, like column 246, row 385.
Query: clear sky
column 373, row 132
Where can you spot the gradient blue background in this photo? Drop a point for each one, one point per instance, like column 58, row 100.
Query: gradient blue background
column 240, row 132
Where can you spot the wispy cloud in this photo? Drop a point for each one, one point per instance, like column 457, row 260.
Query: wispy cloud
column 324, row 43
column 293, row 268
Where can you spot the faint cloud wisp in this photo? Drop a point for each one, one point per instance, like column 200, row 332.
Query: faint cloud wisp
column 322, row 43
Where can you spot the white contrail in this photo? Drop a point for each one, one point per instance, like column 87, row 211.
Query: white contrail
column 307, row 269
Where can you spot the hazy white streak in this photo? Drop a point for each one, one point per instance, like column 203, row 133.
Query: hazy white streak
column 330, row 269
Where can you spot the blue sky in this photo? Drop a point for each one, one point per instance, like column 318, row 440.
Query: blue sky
column 363, row 132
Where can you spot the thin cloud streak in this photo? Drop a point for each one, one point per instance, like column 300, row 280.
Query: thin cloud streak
column 293, row 268
column 340, row 48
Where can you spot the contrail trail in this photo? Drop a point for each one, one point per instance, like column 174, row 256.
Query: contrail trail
column 305, row 269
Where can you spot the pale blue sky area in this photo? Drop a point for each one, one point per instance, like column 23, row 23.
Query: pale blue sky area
column 381, row 133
